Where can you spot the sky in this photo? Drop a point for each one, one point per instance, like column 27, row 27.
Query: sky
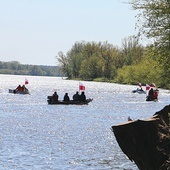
column 34, row 31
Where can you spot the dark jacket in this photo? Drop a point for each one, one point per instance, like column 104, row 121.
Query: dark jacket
column 82, row 97
column 66, row 97
column 76, row 97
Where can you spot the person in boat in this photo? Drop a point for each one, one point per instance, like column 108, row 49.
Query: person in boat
column 155, row 94
column 139, row 87
column 151, row 94
column 66, row 97
column 24, row 89
column 19, row 88
column 76, row 96
column 55, row 97
column 82, row 97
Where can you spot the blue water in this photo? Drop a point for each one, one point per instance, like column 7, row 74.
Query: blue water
column 38, row 136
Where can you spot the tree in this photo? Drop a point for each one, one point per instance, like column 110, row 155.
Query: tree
column 64, row 64
column 75, row 58
column 132, row 50
column 148, row 70
column 36, row 70
column 91, row 68
column 156, row 19
column 154, row 23
column 108, row 53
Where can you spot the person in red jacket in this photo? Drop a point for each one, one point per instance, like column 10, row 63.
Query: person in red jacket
column 155, row 94
column 19, row 88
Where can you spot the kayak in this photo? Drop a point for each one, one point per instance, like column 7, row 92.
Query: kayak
column 139, row 91
column 18, row 92
column 71, row 102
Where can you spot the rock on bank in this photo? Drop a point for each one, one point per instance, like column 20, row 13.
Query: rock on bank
column 147, row 142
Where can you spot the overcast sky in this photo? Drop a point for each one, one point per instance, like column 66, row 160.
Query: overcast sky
column 34, row 31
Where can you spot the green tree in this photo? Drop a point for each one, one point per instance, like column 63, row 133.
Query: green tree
column 36, row 70
column 132, row 51
column 154, row 23
column 75, row 58
column 64, row 64
column 91, row 68
column 148, row 70
column 108, row 53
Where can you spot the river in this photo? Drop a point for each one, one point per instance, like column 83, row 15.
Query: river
column 38, row 136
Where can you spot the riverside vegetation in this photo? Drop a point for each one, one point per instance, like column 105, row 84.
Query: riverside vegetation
column 129, row 64
column 132, row 62
column 14, row 67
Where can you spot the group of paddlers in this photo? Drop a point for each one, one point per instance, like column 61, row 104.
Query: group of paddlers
column 76, row 97
column 151, row 91
column 21, row 88
column 152, row 94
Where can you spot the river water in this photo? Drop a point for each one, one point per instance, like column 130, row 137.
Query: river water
column 38, row 136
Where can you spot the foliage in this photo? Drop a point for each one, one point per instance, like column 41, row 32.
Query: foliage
column 16, row 68
column 95, row 60
column 154, row 19
column 154, row 23
column 147, row 71
column 91, row 68
column 132, row 51
column 132, row 63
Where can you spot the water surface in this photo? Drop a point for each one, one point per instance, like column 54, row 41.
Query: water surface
column 38, row 136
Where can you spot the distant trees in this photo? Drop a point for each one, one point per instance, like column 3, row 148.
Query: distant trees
column 91, row 60
column 14, row 67
column 132, row 62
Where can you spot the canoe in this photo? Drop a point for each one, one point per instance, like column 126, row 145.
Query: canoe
column 139, row 91
column 18, row 92
column 71, row 102
column 148, row 98
column 154, row 96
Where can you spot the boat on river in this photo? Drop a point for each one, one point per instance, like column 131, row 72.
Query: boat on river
column 153, row 97
column 140, row 91
column 149, row 98
column 19, row 92
column 71, row 102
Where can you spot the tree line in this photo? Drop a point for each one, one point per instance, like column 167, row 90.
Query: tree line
column 132, row 62
column 15, row 68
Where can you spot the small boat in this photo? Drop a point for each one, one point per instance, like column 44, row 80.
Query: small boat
column 149, row 98
column 140, row 91
column 154, row 96
column 18, row 92
column 71, row 102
